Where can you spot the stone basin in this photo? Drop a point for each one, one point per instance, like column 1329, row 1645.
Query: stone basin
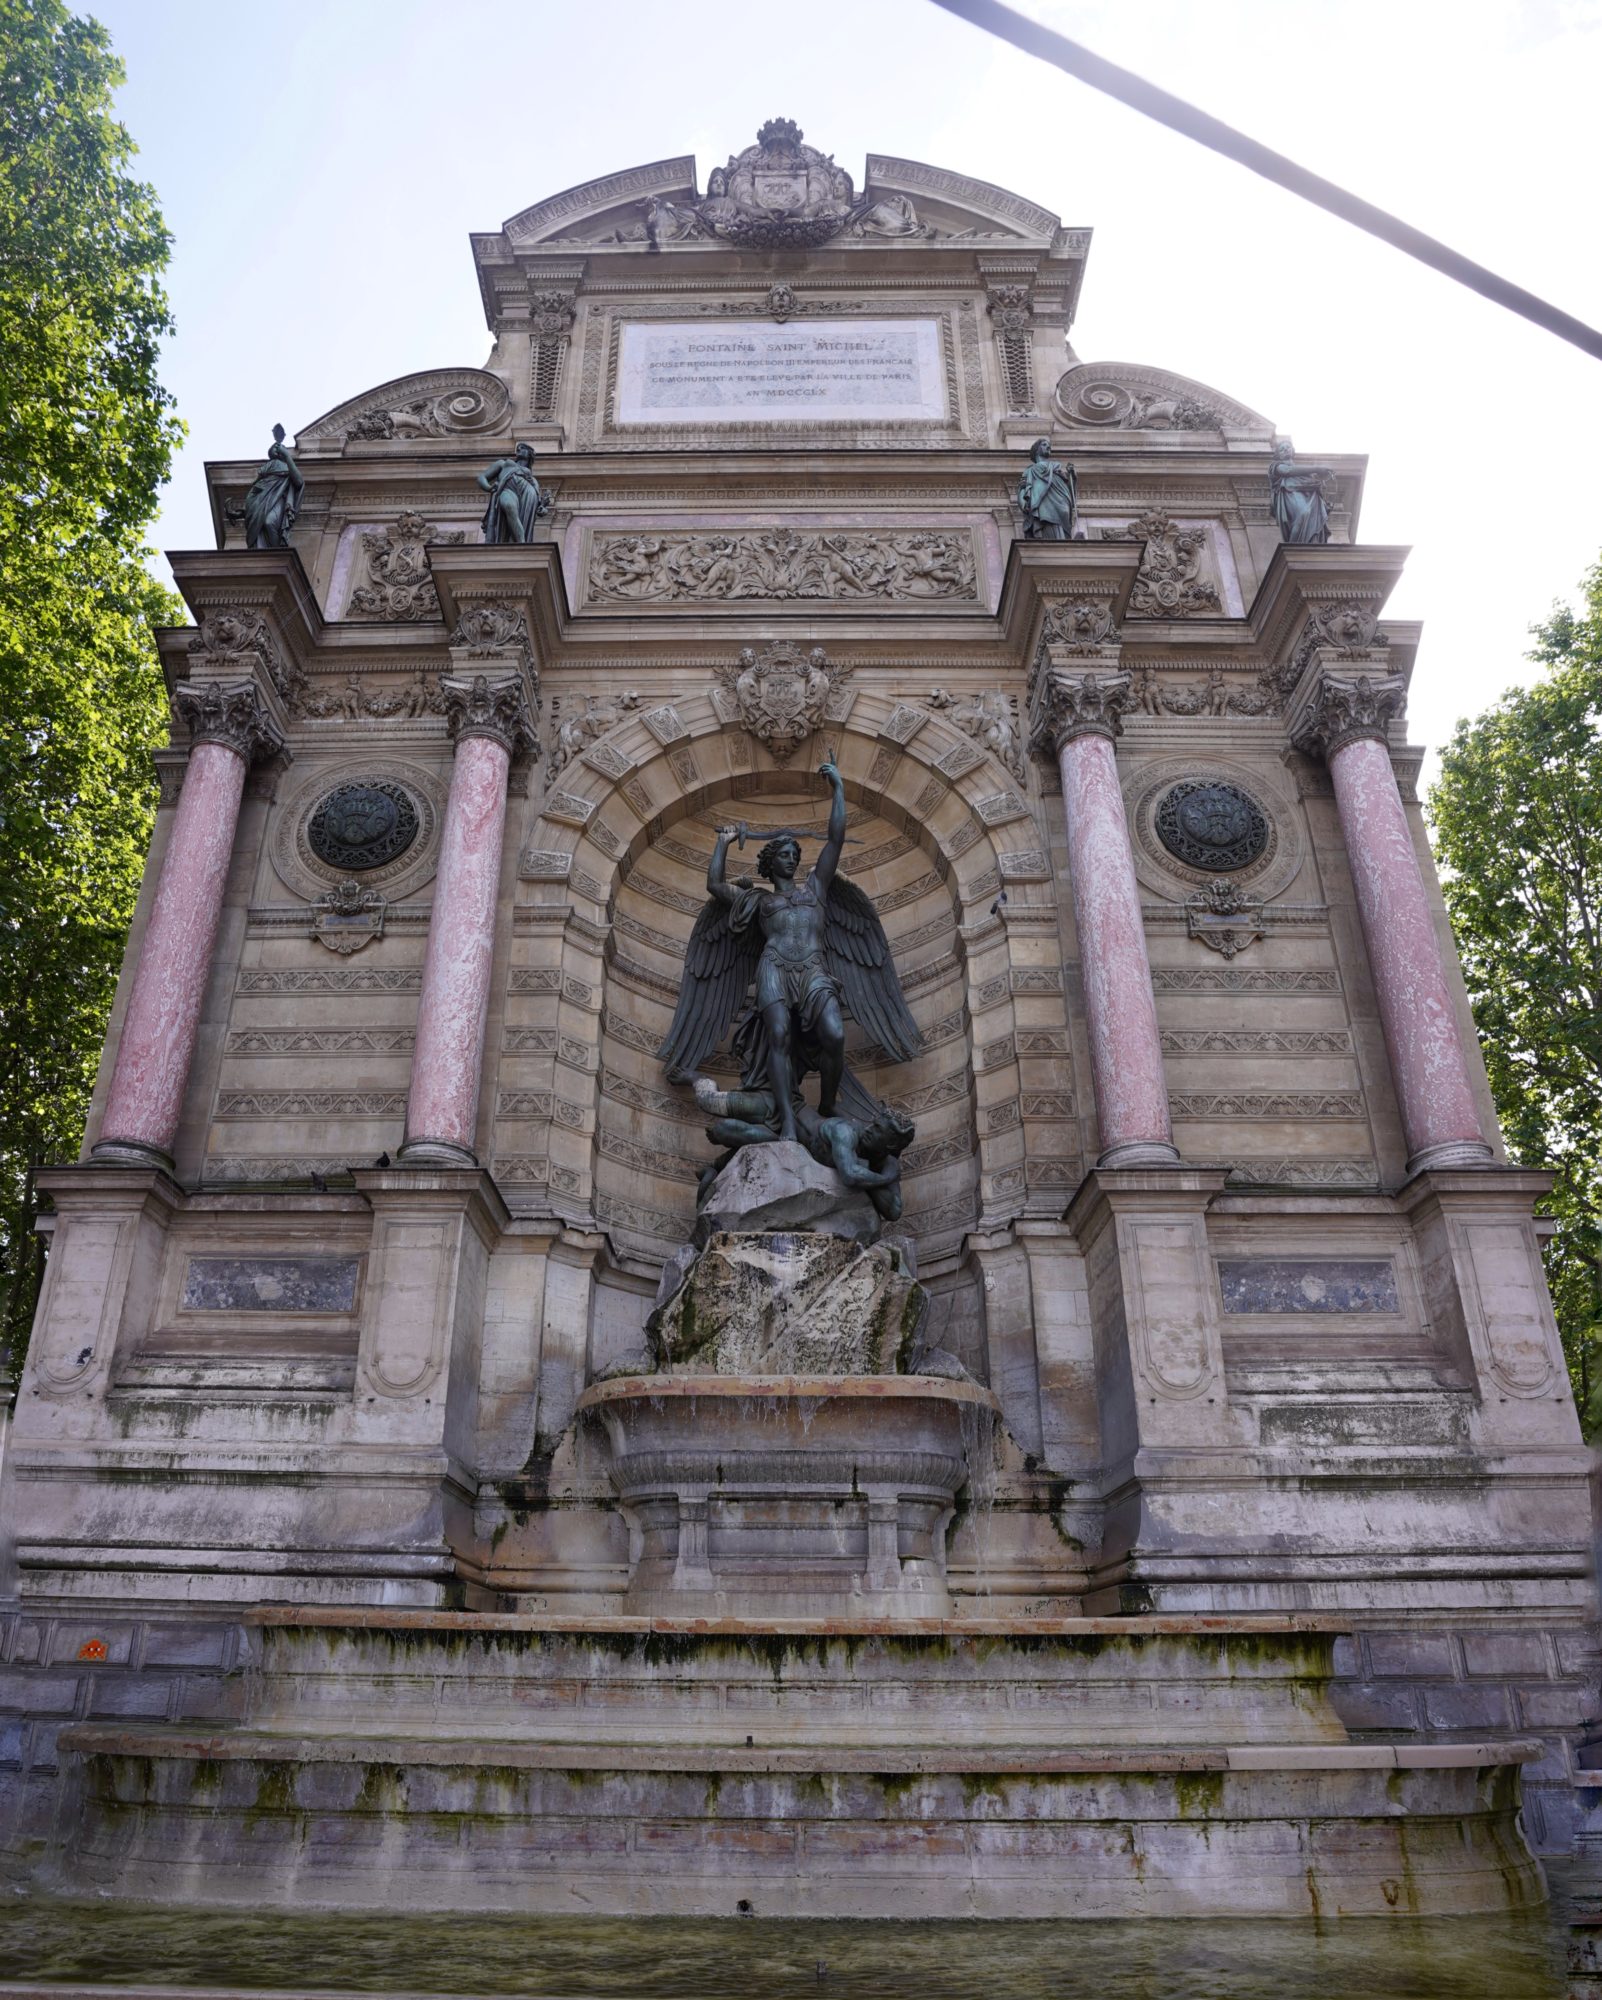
column 819, row 1495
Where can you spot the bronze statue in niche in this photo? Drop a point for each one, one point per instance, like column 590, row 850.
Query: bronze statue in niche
column 816, row 951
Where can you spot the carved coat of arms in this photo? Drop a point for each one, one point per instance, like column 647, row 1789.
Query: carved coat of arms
column 348, row 916
column 781, row 696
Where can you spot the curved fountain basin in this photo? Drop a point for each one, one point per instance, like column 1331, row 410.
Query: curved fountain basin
column 774, row 1494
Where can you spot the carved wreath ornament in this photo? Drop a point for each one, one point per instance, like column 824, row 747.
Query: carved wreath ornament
column 781, row 696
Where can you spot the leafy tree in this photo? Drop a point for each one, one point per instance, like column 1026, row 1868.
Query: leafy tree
column 86, row 440
column 1518, row 822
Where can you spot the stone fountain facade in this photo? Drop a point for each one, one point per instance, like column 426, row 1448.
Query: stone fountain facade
column 1189, row 1475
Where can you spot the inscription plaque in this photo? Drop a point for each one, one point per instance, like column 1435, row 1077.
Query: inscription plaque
column 873, row 371
column 1308, row 1285
column 270, row 1284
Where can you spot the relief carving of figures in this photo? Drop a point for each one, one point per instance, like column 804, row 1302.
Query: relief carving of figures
column 438, row 402
column 575, row 732
column 517, row 502
column 274, row 497
column 1170, row 583
column 385, row 702
column 780, row 697
column 1217, row 695
column 782, row 564
column 399, row 587
column 989, row 719
column 1300, row 497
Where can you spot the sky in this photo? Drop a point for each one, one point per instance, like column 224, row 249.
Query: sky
column 322, row 162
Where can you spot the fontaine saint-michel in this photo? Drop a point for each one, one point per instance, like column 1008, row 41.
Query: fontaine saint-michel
column 791, row 1204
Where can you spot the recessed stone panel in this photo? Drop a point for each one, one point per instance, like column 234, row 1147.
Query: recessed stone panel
column 271, row 1284
column 1308, row 1285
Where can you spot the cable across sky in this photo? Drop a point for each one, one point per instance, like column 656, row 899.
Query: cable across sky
column 1034, row 39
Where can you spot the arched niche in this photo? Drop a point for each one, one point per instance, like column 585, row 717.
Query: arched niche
column 616, row 866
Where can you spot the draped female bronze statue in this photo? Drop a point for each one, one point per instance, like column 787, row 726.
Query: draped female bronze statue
column 516, row 500
column 1299, row 496
column 274, row 498
column 1048, row 494
column 816, row 951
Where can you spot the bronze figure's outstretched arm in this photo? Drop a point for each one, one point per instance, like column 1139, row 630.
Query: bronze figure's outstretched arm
column 823, row 868
column 716, row 879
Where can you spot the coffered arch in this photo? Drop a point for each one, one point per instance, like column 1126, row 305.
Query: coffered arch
column 613, row 876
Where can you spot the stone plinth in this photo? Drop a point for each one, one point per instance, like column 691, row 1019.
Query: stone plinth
column 782, row 1304
column 782, row 1187
column 788, row 1495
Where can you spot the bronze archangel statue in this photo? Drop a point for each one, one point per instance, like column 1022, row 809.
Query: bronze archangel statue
column 817, row 952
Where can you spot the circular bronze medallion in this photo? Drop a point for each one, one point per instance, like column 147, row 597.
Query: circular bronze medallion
column 362, row 826
column 1212, row 826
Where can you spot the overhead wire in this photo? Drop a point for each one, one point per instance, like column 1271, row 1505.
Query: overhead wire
column 1035, row 39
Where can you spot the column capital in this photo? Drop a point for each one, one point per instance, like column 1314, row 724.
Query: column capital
column 1064, row 704
column 477, row 705
column 231, row 713
column 1335, row 707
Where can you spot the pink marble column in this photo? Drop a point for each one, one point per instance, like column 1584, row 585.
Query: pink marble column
column 489, row 720
column 1079, row 714
column 1344, row 717
column 229, row 727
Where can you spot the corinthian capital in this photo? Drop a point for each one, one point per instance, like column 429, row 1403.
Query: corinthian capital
column 498, row 709
column 231, row 713
column 1339, row 708
column 1067, row 704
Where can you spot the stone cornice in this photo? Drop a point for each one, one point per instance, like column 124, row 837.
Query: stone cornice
column 1302, row 581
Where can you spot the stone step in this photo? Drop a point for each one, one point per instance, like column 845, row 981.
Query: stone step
column 1000, row 1681
column 244, row 1819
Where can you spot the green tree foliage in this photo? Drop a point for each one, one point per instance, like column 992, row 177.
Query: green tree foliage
column 1518, row 822
column 86, row 440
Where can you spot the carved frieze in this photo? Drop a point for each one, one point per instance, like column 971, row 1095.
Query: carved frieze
column 398, row 586
column 711, row 565
column 1219, row 694
column 383, row 701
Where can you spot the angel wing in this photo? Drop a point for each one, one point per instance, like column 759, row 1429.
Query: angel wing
column 718, row 964
column 859, row 957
